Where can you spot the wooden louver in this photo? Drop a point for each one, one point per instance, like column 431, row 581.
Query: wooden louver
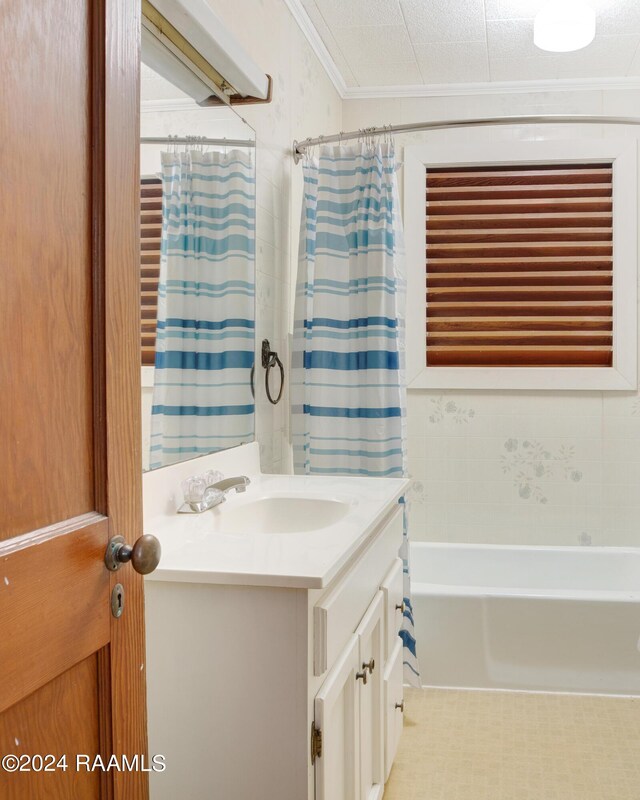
column 150, row 234
column 519, row 265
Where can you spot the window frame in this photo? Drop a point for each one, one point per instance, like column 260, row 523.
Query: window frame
column 623, row 375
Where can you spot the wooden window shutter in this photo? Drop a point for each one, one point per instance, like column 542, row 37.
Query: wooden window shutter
column 519, row 266
column 150, row 235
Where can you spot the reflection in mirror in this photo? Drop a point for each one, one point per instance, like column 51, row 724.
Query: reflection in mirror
column 197, row 275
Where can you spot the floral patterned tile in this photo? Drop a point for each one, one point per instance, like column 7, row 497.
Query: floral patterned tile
column 529, row 463
column 442, row 409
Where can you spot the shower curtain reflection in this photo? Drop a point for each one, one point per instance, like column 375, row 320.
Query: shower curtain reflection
column 203, row 398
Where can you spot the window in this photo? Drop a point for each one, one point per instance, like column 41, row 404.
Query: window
column 519, row 266
column 522, row 265
column 150, row 230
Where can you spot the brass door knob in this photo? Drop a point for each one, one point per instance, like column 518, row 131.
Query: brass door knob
column 400, row 706
column 401, row 607
column 370, row 666
column 144, row 555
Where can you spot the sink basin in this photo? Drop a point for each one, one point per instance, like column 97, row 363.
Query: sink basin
column 282, row 515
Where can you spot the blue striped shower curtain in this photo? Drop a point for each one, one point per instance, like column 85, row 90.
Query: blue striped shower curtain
column 202, row 397
column 347, row 386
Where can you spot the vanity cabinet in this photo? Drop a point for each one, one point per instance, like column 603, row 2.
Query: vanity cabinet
column 358, row 709
column 349, row 713
column 279, row 692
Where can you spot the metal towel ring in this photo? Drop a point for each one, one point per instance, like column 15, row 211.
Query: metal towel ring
column 270, row 359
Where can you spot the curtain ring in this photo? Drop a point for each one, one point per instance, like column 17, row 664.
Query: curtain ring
column 271, row 359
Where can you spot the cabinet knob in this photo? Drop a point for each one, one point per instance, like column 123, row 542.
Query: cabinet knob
column 369, row 666
column 400, row 706
column 362, row 676
column 401, row 607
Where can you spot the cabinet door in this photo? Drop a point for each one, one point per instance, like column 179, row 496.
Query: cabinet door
column 393, row 707
column 392, row 586
column 337, row 714
column 370, row 634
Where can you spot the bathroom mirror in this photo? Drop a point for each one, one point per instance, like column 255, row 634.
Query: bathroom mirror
column 197, row 274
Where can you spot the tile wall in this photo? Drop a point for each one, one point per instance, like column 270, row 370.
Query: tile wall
column 519, row 467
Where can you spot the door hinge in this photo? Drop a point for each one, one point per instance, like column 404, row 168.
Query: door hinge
column 316, row 742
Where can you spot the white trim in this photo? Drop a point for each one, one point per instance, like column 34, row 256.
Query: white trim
column 299, row 13
column 146, row 377
column 494, row 689
column 623, row 375
column 488, row 87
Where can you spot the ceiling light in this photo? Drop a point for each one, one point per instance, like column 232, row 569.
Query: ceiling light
column 197, row 36
column 161, row 60
column 564, row 25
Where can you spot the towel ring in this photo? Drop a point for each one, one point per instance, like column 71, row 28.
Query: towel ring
column 270, row 359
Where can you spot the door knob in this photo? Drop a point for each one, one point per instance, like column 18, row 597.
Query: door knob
column 400, row 705
column 144, row 555
column 401, row 607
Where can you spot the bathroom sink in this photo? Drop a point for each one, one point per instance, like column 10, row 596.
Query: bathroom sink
column 282, row 515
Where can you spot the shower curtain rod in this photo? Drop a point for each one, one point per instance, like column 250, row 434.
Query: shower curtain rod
column 196, row 140
column 299, row 148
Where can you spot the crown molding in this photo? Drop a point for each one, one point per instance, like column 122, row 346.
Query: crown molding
column 488, row 87
column 299, row 13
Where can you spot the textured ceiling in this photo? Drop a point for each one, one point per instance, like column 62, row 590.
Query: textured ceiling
column 408, row 42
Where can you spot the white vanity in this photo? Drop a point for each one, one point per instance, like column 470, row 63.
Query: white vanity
column 274, row 665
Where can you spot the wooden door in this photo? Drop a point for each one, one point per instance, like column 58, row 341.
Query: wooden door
column 337, row 712
column 370, row 635
column 72, row 678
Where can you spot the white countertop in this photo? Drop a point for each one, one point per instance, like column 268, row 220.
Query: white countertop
column 196, row 549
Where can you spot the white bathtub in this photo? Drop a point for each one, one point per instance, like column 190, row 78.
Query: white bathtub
column 563, row 619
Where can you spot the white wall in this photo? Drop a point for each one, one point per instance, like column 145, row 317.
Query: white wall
column 475, row 456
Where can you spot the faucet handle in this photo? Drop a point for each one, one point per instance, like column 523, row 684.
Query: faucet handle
column 213, row 496
column 212, row 476
column 194, row 488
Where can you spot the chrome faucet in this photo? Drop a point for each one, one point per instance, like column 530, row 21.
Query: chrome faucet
column 227, row 484
column 200, row 494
